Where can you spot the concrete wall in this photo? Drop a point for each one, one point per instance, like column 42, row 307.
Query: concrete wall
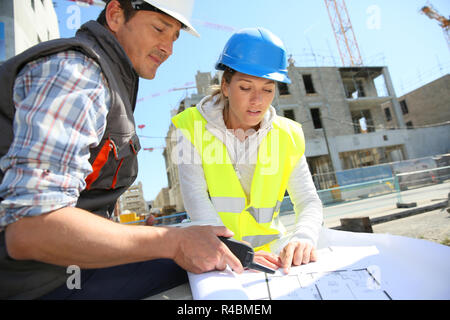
column 423, row 142
column 418, row 143
column 162, row 199
column 329, row 98
column 429, row 104
column 370, row 140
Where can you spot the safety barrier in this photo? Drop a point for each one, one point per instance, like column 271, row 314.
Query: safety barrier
column 395, row 184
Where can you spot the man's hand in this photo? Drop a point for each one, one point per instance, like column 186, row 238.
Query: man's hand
column 297, row 253
column 200, row 250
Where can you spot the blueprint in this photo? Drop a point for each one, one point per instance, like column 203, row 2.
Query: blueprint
column 331, row 278
column 336, row 285
column 319, row 281
column 349, row 266
column 327, row 280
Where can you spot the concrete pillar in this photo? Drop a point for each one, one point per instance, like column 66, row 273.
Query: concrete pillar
column 334, row 155
column 394, row 101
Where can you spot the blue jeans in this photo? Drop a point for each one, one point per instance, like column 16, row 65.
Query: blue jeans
column 129, row 281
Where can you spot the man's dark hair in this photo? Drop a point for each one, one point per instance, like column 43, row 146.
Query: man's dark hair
column 128, row 11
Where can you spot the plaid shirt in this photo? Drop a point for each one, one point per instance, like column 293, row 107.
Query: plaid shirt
column 61, row 106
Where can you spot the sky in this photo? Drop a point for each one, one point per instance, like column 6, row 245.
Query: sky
column 391, row 33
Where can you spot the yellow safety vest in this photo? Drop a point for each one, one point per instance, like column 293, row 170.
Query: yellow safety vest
column 254, row 220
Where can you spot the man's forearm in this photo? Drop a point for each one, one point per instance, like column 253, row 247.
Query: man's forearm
column 74, row 236
column 71, row 236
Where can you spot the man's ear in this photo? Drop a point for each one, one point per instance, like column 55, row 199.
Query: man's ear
column 115, row 17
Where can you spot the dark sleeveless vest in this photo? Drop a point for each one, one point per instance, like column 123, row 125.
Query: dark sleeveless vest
column 114, row 160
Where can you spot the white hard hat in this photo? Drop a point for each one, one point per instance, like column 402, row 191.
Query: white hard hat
column 178, row 9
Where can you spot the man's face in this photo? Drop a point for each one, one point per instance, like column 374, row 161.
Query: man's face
column 148, row 39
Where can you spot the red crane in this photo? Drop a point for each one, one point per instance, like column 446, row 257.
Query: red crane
column 343, row 32
column 444, row 22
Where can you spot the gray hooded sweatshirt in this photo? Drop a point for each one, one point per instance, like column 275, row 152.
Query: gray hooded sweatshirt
column 307, row 206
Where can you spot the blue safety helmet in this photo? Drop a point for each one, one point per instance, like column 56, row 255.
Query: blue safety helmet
column 257, row 52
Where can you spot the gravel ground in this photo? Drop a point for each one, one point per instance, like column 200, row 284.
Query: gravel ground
column 433, row 225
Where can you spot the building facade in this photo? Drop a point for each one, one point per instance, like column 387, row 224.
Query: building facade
column 25, row 23
column 162, row 199
column 340, row 112
column 204, row 83
column 425, row 106
column 132, row 200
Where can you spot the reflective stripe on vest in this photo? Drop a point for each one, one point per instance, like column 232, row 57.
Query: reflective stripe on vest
column 261, row 240
column 254, row 219
column 236, row 205
column 228, row 204
column 264, row 215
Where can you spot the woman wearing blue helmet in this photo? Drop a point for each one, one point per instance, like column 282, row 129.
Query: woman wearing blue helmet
column 245, row 156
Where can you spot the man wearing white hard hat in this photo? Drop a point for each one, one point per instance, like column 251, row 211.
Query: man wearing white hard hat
column 68, row 150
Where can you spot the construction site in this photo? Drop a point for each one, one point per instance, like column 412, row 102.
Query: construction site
column 358, row 130
column 354, row 124
column 105, row 142
column 359, row 134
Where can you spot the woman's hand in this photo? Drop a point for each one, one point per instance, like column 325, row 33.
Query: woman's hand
column 297, row 253
column 267, row 259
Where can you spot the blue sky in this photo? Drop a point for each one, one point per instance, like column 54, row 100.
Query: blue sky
column 389, row 32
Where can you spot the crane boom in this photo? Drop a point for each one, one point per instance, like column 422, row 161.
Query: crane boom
column 444, row 22
column 431, row 13
column 343, row 32
column 90, row 2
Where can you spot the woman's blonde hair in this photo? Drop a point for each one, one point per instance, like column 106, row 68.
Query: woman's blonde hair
column 217, row 90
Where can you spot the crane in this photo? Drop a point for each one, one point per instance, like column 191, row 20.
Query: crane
column 431, row 13
column 90, row 2
column 343, row 32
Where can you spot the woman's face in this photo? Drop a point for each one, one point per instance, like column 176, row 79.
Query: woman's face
column 249, row 99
